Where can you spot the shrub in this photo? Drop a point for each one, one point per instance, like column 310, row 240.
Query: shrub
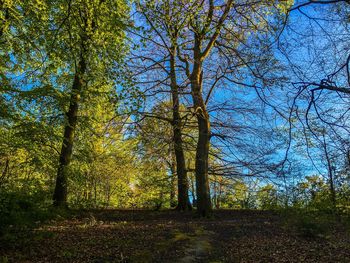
column 309, row 224
column 20, row 210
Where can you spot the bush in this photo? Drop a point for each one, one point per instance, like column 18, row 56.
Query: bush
column 310, row 227
column 309, row 224
column 19, row 210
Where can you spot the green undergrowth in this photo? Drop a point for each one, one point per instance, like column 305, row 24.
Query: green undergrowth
column 21, row 213
column 314, row 223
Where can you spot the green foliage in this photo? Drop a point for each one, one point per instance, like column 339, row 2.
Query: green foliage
column 267, row 197
column 343, row 199
column 236, row 195
column 313, row 193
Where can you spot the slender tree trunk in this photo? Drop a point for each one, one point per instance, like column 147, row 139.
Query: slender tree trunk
column 172, row 182
column 202, row 151
column 193, row 191
column 219, row 196
column 332, row 190
column 183, row 200
column 214, row 186
column 95, row 193
column 330, row 176
column 194, row 194
column 60, row 193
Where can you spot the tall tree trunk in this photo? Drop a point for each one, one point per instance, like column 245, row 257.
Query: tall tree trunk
column 202, row 151
column 60, row 193
column 183, row 200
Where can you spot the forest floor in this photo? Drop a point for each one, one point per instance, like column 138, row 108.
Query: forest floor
column 169, row 236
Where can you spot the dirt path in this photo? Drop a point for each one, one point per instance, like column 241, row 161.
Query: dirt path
column 199, row 246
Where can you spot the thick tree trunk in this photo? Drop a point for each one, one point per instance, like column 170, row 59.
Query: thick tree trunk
column 183, row 200
column 60, row 193
column 202, row 152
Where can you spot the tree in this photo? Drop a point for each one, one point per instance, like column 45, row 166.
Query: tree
column 209, row 36
column 164, row 22
column 93, row 32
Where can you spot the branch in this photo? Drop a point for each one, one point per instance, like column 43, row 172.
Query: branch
column 318, row 2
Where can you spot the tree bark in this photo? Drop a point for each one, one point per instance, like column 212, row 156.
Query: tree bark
column 202, row 151
column 60, row 193
column 183, row 200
